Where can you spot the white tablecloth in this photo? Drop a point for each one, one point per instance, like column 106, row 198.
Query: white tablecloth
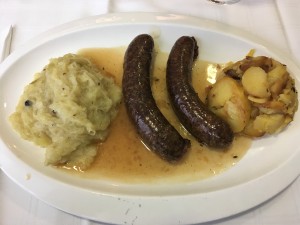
column 276, row 21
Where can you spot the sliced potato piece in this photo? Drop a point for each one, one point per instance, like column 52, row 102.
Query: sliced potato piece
column 257, row 100
column 255, row 82
column 272, row 107
column 277, row 79
column 251, row 131
column 269, row 123
column 227, row 100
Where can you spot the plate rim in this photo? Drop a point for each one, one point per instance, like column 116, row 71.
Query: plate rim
column 127, row 201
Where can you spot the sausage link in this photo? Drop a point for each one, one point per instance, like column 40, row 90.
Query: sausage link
column 205, row 126
column 154, row 129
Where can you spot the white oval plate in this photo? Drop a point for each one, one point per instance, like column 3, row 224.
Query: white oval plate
column 269, row 166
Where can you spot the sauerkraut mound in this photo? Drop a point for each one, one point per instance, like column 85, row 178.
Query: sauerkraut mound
column 67, row 109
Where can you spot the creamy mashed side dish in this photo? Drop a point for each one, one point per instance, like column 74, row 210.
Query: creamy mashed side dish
column 67, row 109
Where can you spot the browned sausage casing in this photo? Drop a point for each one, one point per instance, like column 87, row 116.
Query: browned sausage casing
column 204, row 125
column 154, row 129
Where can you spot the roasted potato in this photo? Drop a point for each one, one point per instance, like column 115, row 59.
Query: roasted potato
column 228, row 100
column 255, row 82
column 260, row 98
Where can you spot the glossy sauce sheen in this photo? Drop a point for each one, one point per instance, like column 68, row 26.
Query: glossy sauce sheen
column 123, row 157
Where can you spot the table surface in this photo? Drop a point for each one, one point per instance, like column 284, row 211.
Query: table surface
column 276, row 21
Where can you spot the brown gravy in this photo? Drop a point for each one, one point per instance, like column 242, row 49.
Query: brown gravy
column 123, row 157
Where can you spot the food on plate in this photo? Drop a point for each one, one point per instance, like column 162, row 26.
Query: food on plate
column 265, row 94
column 154, row 129
column 67, row 109
column 228, row 100
column 195, row 116
column 124, row 158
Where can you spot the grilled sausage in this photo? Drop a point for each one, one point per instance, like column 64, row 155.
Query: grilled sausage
column 205, row 126
column 154, row 129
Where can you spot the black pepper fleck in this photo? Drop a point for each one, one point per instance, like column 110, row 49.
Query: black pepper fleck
column 28, row 103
